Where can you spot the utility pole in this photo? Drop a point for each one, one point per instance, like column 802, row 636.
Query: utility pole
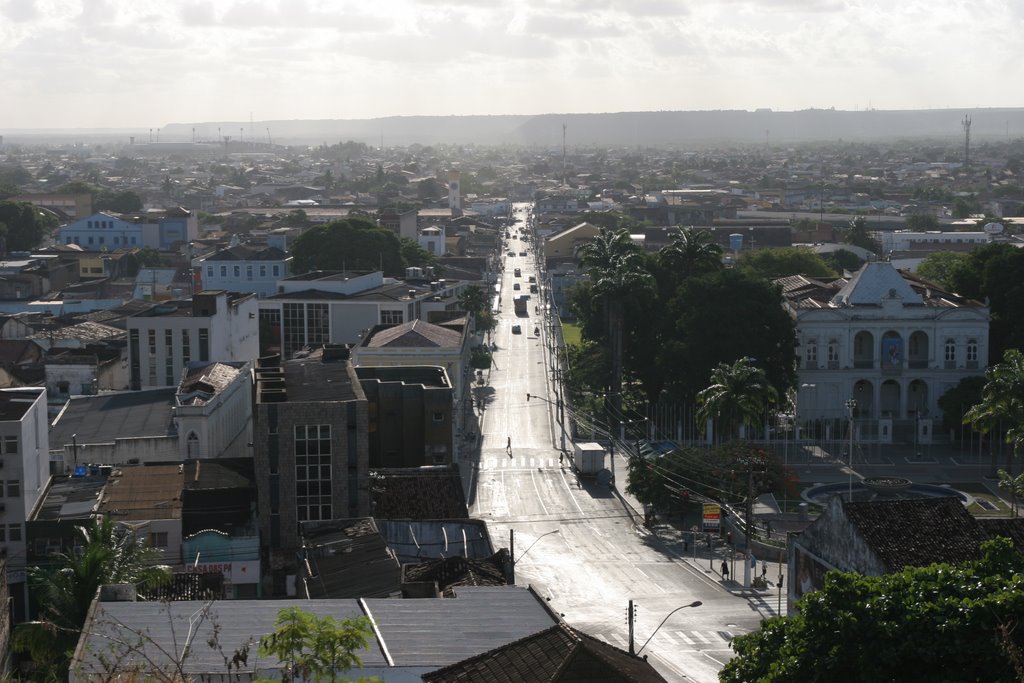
column 631, row 617
column 966, row 123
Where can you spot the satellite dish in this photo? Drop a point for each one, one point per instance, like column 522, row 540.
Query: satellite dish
column 993, row 228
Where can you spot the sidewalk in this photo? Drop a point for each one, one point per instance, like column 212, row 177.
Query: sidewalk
column 677, row 538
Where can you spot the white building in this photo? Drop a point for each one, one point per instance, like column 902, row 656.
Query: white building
column 326, row 307
column 213, row 411
column 432, row 240
column 25, row 470
column 891, row 342
column 214, row 326
column 243, row 269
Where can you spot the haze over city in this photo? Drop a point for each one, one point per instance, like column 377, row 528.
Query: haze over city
column 128, row 64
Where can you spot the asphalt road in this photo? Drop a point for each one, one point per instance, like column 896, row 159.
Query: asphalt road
column 575, row 541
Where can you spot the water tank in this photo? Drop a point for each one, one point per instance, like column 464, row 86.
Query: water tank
column 735, row 241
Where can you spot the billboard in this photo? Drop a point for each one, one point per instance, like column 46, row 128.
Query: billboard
column 892, row 353
column 712, row 517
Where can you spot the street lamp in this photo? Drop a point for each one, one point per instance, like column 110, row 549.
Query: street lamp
column 512, row 548
column 559, row 413
column 695, row 603
column 851, row 406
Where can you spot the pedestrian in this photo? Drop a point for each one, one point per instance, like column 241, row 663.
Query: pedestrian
column 508, row 446
column 764, row 568
column 725, row 570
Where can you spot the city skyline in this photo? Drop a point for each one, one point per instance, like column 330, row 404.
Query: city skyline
column 124, row 64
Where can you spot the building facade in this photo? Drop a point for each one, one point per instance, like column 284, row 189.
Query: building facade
column 311, row 455
column 24, row 473
column 160, row 230
column 165, row 339
column 891, row 342
column 213, row 410
column 243, row 269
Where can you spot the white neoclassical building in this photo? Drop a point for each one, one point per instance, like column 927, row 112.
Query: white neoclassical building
column 889, row 341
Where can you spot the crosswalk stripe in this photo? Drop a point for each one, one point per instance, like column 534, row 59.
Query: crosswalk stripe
column 685, row 638
column 701, row 637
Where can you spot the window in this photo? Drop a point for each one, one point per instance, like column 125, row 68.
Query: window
column 223, row 271
column 833, row 350
column 14, row 533
column 13, row 488
column 186, row 349
column 263, row 271
column 313, row 472
column 168, row 357
column 277, row 271
column 133, row 241
column 156, row 539
column 209, row 271
column 972, row 350
column 237, row 270
column 248, row 272
column 438, row 416
column 811, row 351
column 10, row 445
column 204, row 344
column 317, row 324
column 390, row 317
column 135, row 372
column 950, row 350
column 152, row 357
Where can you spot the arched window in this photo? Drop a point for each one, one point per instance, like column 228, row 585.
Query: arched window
column 811, row 353
column 972, row 353
column 192, row 445
column 950, row 353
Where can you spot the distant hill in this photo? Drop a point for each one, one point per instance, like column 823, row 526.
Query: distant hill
column 656, row 128
column 661, row 128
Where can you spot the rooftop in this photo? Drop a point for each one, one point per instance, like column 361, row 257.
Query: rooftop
column 204, row 381
column 314, row 379
column 70, row 497
column 14, row 403
column 144, row 492
column 414, row 334
column 108, row 417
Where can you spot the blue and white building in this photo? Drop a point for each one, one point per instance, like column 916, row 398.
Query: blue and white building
column 160, row 230
column 243, row 269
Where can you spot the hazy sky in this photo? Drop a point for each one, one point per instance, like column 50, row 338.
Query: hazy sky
column 144, row 63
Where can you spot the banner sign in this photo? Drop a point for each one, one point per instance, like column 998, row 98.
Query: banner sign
column 712, row 517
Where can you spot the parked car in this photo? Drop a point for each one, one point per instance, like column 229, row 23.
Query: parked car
column 516, row 329
column 522, row 253
column 516, row 286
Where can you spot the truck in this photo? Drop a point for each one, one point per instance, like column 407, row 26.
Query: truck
column 520, row 303
column 589, row 457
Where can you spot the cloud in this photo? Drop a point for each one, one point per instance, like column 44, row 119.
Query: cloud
column 19, row 10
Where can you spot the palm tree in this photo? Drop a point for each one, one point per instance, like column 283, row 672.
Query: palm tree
column 64, row 590
column 474, row 300
column 737, row 395
column 616, row 269
column 1002, row 400
column 691, row 252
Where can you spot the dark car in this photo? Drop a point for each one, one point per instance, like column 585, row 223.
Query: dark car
column 522, row 253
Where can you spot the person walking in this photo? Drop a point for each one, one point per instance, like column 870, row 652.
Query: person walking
column 725, row 570
column 508, row 447
column 764, row 568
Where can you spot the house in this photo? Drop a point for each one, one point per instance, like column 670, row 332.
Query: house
column 411, row 637
column 311, row 452
column 891, row 342
column 160, row 230
column 402, row 223
column 167, row 337
column 24, row 447
column 243, row 268
column 564, row 243
column 884, row 536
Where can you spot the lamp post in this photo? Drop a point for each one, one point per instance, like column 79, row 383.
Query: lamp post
column 695, row 603
column 559, row 413
column 851, row 406
column 512, row 548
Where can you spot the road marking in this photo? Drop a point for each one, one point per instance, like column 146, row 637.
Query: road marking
column 701, row 637
column 685, row 638
column 569, row 489
column 540, row 498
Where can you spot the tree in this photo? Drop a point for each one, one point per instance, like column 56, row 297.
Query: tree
column 779, row 262
column 691, row 252
column 841, row 260
column 934, row 623
column 415, row 255
column 65, row 587
column 1002, row 400
column 122, row 202
column 963, row 207
column 24, row 225
column 315, row 648
column 352, row 244
column 614, row 265
column 718, row 318
column 739, row 395
column 996, row 272
column 958, row 400
column 859, row 235
column 940, row 267
column 1013, row 484
column 475, row 300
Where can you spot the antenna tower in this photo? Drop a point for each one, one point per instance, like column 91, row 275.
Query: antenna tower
column 564, row 174
column 966, row 123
